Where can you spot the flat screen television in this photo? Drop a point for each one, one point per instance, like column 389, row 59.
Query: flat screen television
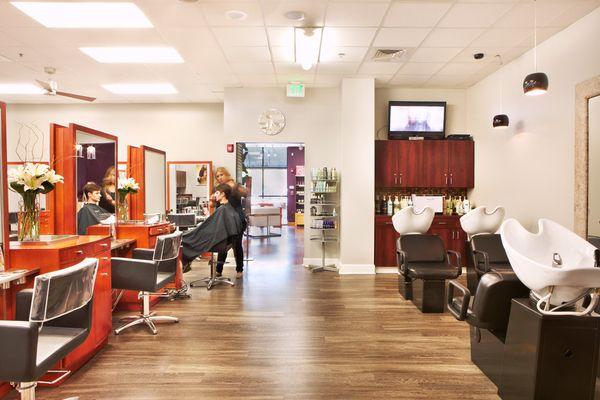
column 417, row 118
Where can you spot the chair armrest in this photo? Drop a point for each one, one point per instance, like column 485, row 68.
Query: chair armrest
column 23, row 306
column 486, row 261
column 458, row 264
column 18, row 347
column 143, row 254
column 461, row 314
column 400, row 260
column 131, row 274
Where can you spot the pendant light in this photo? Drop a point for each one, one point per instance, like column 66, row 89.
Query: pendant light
column 500, row 121
column 536, row 83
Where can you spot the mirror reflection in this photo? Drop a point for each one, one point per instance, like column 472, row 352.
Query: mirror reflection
column 594, row 167
column 155, row 181
column 96, row 180
column 3, row 188
column 190, row 185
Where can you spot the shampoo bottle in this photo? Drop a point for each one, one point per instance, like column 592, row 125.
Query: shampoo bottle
column 390, row 206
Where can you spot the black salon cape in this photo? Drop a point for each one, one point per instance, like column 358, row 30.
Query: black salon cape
column 90, row 214
column 223, row 224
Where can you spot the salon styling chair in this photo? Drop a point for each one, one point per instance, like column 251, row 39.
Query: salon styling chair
column 425, row 265
column 182, row 221
column 149, row 271
column 52, row 319
column 487, row 314
column 213, row 279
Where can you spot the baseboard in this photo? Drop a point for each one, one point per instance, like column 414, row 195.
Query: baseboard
column 357, row 269
column 386, row 270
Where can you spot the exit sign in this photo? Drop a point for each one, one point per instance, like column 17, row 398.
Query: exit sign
column 295, row 89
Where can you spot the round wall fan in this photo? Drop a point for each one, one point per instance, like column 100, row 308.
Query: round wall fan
column 51, row 87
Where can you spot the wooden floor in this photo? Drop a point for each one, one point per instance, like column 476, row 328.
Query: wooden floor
column 287, row 333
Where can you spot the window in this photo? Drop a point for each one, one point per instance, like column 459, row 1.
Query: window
column 268, row 168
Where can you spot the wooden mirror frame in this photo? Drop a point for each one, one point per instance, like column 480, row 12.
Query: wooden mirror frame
column 169, row 163
column 584, row 91
column 4, row 181
column 62, row 201
column 136, row 169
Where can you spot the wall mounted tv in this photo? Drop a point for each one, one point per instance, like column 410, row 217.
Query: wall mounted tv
column 417, row 118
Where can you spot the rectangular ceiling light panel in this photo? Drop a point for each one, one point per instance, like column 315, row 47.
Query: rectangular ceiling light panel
column 20, row 88
column 133, row 55
column 140, row 88
column 85, row 15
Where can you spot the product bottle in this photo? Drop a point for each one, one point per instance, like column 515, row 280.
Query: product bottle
column 396, row 205
column 376, row 204
column 409, row 201
column 390, row 206
column 466, row 205
column 334, row 174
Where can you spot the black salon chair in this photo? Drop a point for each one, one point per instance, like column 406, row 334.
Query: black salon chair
column 213, row 279
column 52, row 319
column 424, row 265
column 487, row 253
column 182, row 221
column 487, row 313
column 148, row 271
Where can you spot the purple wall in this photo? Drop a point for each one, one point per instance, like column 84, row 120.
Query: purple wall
column 94, row 170
column 295, row 157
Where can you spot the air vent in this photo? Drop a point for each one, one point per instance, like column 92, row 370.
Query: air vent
column 388, row 55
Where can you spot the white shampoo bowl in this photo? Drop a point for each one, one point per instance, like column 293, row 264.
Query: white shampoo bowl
column 408, row 220
column 480, row 220
column 555, row 263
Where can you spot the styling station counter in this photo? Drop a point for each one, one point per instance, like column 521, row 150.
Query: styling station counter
column 145, row 237
column 59, row 254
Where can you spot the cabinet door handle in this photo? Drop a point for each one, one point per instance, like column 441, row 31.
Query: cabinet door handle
column 79, row 252
column 104, row 245
column 451, row 179
column 442, row 223
column 446, row 176
column 401, row 179
column 395, row 179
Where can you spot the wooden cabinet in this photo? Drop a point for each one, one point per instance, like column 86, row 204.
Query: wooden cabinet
column 62, row 254
column 447, row 227
column 424, row 163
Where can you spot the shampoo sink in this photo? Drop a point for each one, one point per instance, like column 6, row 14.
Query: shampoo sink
column 556, row 264
column 481, row 220
column 409, row 221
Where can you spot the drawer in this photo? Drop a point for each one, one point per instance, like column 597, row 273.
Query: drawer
column 98, row 248
column 74, row 255
column 159, row 230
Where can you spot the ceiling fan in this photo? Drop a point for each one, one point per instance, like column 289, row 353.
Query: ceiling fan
column 51, row 87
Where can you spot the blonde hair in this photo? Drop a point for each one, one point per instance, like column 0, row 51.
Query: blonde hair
column 106, row 180
column 223, row 171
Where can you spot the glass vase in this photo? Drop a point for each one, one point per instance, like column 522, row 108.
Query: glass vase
column 123, row 208
column 28, row 221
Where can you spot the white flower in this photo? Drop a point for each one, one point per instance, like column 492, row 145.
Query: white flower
column 33, row 176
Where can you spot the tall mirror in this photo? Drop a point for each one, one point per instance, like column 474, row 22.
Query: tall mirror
column 96, row 177
column 594, row 167
column 4, row 235
column 155, row 181
column 189, row 186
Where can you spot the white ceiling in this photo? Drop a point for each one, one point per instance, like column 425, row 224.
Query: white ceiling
column 440, row 36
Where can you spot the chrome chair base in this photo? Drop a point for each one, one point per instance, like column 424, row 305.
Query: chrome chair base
column 213, row 279
column 146, row 317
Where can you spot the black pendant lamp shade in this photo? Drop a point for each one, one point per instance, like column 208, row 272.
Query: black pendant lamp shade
column 500, row 121
column 535, row 84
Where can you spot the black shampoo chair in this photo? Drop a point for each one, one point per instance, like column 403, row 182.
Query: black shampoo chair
column 487, row 253
column 424, row 261
column 53, row 319
column 487, row 314
column 148, row 271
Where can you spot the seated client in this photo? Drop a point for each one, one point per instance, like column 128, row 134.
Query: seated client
column 91, row 213
column 223, row 224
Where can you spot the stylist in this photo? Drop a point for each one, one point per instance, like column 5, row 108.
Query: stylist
column 237, row 192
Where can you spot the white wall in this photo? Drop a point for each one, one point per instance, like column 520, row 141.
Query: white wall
column 529, row 168
column 313, row 120
column 456, row 108
column 358, row 178
column 187, row 132
column 594, row 167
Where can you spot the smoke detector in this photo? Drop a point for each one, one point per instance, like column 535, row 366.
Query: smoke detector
column 388, row 55
column 236, row 15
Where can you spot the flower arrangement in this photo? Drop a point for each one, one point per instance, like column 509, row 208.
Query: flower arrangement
column 126, row 186
column 30, row 180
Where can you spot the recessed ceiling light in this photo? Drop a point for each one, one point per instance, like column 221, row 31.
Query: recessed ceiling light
column 140, row 88
column 20, row 88
column 236, row 15
column 84, row 15
column 134, row 55
column 294, row 16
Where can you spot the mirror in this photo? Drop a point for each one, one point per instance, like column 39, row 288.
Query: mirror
column 96, row 162
column 190, row 184
column 594, row 166
column 4, row 235
column 155, row 181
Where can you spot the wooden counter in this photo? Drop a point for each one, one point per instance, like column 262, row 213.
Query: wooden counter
column 65, row 253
